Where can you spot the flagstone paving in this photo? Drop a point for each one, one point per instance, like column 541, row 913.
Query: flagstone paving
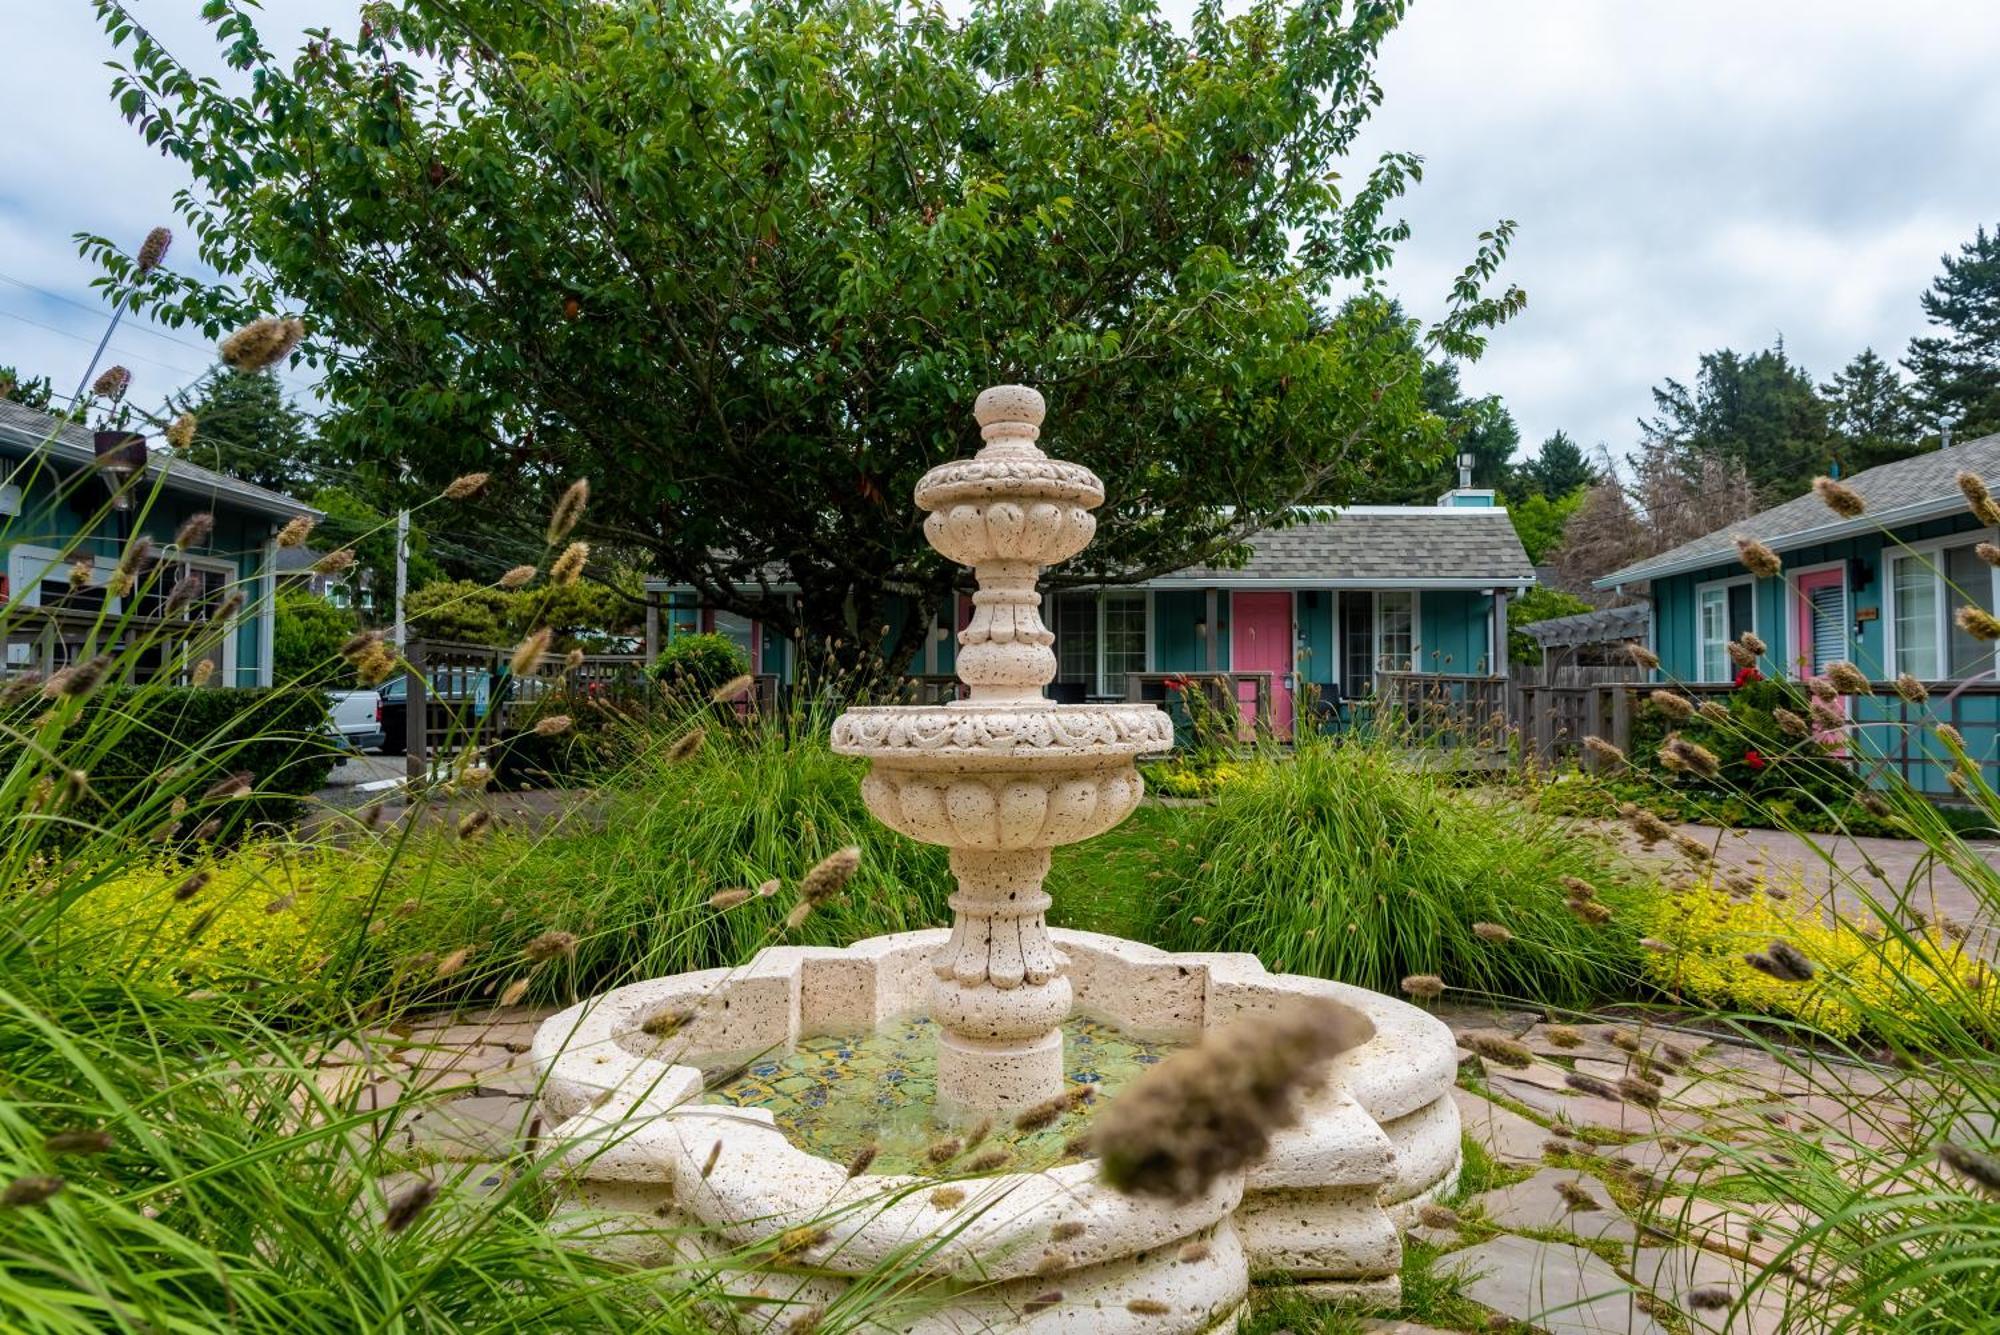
column 1599, row 1222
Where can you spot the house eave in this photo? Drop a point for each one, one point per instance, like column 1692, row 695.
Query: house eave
column 26, row 444
column 1872, row 522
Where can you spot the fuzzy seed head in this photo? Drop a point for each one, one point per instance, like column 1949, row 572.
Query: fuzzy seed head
column 724, row 900
column 466, row 485
column 1644, row 1093
column 27, row 1191
column 1979, row 623
column 1673, row 705
column 1750, row 640
column 1783, row 961
column 453, row 962
column 334, row 562
column 714, row 1157
column 1433, row 1215
column 153, row 249
column 514, row 992
column 552, row 725
column 1758, row 559
column 1042, row 1302
column 1643, row 656
column 194, row 531
column 1576, row 1196
column 1492, row 933
column 1147, row 1307
column 86, row 1141
column 1065, row 1230
column 1211, row 1109
column 947, row 1198
column 1496, row 1048
column 548, row 946
column 528, row 653
column 1709, row 1297
column 408, row 1205
column 261, row 344
column 1424, row 986
column 989, row 1160
column 180, row 432
column 1562, row 1036
column 474, row 823
column 112, row 384
column 1590, row 1084
column 1848, row 679
column 296, row 531
column 1740, row 654
column 1911, row 690
column 829, row 876
column 568, row 568
column 1605, row 751
column 733, row 689
column 191, row 886
column 77, row 680
column 862, row 1158
column 686, row 745
column 1840, row 498
column 1982, row 1166
column 574, row 659
column 230, row 786
column 517, row 577
column 568, row 510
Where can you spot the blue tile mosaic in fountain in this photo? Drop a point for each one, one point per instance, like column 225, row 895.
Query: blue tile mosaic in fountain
column 834, row 1094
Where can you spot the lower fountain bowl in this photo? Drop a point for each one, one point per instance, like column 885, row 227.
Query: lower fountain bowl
column 656, row 1173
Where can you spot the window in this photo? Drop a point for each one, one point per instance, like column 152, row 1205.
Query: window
column 1724, row 611
column 1396, row 631
column 1357, row 642
column 1929, row 588
column 1099, row 638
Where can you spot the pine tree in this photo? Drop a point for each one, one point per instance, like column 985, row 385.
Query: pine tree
column 1557, row 469
column 1958, row 372
column 1761, row 413
column 245, row 428
column 1869, row 409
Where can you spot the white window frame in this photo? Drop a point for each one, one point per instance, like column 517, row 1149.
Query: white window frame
column 1930, row 551
column 1792, row 611
column 28, row 565
column 1416, row 625
column 1725, row 584
column 1097, row 686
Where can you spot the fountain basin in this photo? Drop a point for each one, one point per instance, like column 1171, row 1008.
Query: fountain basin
column 623, row 1076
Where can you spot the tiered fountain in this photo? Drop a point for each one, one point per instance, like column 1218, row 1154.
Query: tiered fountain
column 1024, row 1236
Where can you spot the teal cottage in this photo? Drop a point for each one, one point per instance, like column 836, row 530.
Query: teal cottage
column 1881, row 590
column 1320, row 611
column 56, row 511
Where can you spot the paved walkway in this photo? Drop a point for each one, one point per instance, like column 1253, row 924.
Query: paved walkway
column 1839, row 866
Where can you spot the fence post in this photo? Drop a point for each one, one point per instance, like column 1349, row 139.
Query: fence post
column 417, row 712
column 1621, row 718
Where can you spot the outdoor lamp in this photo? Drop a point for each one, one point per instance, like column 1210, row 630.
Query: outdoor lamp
column 121, row 455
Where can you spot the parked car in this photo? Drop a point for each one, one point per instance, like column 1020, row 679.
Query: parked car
column 356, row 718
column 395, row 694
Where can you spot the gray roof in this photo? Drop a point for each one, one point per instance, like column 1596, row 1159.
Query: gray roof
column 24, row 430
column 1923, row 486
column 1372, row 547
column 1604, row 625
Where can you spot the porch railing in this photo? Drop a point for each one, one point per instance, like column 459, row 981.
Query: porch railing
column 1445, row 711
column 48, row 639
column 1243, row 696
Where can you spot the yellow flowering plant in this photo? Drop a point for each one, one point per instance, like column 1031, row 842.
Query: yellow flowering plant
column 1866, row 980
column 264, row 911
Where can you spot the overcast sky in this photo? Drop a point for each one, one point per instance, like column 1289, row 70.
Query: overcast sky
column 1686, row 176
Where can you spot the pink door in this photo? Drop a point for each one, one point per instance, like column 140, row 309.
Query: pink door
column 1819, row 622
column 1260, row 640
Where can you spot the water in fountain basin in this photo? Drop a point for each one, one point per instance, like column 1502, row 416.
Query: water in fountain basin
column 834, row 1094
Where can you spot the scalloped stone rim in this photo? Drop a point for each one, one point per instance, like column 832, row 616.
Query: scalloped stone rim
column 1324, row 1208
column 965, row 737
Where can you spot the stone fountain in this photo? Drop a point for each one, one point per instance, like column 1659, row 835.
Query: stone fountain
column 1024, row 1237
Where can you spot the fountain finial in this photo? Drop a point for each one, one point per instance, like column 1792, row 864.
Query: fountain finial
column 1010, row 418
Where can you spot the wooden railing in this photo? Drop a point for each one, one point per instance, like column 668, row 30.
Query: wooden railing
column 1242, row 696
column 47, row 639
column 1444, row 711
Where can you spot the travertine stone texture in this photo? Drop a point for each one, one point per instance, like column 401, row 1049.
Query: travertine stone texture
column 1324, row 1209
column 1004, row 776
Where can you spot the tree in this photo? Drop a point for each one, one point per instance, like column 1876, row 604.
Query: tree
column 1538, row 604
column 1670, row 500
column 1958, row 372
column 746, row 266
column 1761, row 413
column 32, row 392
column 1558, row 469
column 247, row 429
column 1869, row 409
column 352, row 522
column 1539, row 521
column 587, row 615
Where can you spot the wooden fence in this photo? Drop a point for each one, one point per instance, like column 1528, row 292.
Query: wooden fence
column 47, row 639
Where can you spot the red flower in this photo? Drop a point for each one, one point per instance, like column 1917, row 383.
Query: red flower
column 1176, row 683
column 1753, row 759
column 1748, row 675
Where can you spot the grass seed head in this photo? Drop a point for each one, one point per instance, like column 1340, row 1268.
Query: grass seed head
column 1783, row 961
column 474, row 822
column 686, row 745
column 1709, row 1297
column 112, row 384
column 1211, row 1109
column 334, row 562
column 1849, row 679
column 724, row 900
column 568, row 510
column 410, row 1203
column 989, row 1160
column 1644, row 1093
column 261, row 344
column 829, row 876
column 1562, row 1036
column 1147, row 1307
column 1642, row 656
column 1065, row 1230
column 296, row 531
column 1912, row 690
column 1497, row 1048
column 466, row 485
column 1758, row 559
column 194, row 531
column 1604, row 751
column 1673, row 705
column 863, row 1157
column 1790, row 723
column 1042, row 1302
column 26, row 1191
column 528, row 653
column 1840, row 498
column 553, row 725
column 453, row 962
column 516, row 577
column 1692, row 756
column 153, row 249
column 1052, row 1262
column 1576, row 1195
column 733, row 689
column 550, row 945
column 1492, row 932
column 947, row 1198
column 567, row 569
column 1432, row 1215
column 84, row 1141
column 1982, row 1166
column 1590, row 1084
column 191, row 886
column 1979, row 623
column 1424, row 986
column 714, row 1157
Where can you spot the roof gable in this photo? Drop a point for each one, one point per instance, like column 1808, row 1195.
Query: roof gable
column 1409, row 545
column 1922, row 486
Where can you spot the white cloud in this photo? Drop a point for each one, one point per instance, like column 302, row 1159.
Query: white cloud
column 1686, row 175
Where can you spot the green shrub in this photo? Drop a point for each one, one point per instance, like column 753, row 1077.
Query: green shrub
column 1348, row 862
column 305, row 646
column 632, row 875
column 700, row 662
column 137, row 745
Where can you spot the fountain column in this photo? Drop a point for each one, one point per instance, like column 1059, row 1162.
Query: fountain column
column 1003, row 776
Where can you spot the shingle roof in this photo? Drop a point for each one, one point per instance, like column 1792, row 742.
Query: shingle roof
column 23, row 430
column 1923, row 486
column 1603, row 625
column 1409, row 545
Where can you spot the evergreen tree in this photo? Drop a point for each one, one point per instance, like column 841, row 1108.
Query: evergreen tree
column 247, row 429
column 1558, row 469
column 1761, row 413
column 31, row 392
column 1869, row 409
column 1958, row 371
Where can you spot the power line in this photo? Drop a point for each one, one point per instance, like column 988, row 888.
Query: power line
column 92, row 310
column 64, row 333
